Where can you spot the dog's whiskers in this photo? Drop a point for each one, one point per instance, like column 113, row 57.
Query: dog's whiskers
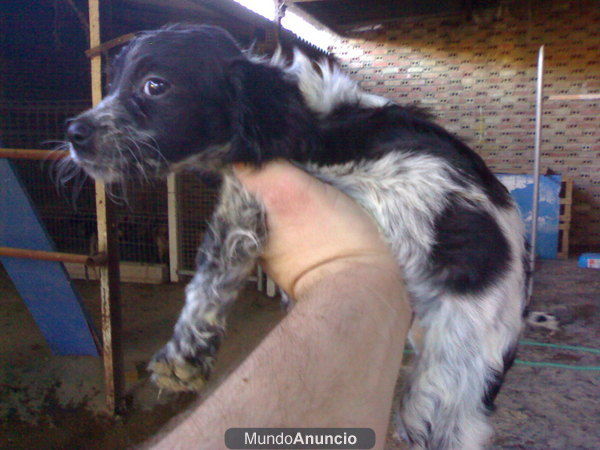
column 153, row 145
column 64, row 171
column 143, row 143
column 139, row 165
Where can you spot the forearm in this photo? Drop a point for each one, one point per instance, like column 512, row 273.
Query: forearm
column 332, row 362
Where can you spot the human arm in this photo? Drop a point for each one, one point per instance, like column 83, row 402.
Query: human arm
column 333, row 361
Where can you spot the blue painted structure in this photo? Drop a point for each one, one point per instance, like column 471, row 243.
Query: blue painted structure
column 44, row 285
column 521, row 189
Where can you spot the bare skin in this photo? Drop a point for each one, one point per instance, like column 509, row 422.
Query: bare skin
column 334, row 360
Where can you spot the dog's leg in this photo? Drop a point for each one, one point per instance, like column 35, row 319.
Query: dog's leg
column 229, row 252
column 467, row 346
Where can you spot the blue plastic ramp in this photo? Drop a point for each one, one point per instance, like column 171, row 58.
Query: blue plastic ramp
column 44, row 285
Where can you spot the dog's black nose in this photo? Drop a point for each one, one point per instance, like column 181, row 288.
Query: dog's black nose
column 80, row 133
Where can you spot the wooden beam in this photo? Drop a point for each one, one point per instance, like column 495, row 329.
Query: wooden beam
column 99, row 49
column 575, row 97
column 130, row 272
column 112, row 353
column 182, row 5
column 43, row 155
column 309, row 18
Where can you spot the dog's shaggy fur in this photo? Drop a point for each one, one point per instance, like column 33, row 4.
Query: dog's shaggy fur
column 185, row 95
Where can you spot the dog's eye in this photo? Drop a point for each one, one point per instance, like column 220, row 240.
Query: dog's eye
column 155, row 86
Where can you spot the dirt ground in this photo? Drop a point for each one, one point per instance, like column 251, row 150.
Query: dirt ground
column 49, row 401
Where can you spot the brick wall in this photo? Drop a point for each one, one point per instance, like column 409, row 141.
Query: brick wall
column 479, row 80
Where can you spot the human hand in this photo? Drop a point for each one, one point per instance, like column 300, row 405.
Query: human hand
column 313, row 229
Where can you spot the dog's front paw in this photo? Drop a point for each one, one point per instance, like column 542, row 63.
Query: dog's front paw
column 177, row 374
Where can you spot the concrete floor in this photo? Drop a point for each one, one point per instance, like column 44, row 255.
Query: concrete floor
column 48, row 401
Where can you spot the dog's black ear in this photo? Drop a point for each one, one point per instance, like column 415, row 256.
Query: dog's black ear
column 270, row 119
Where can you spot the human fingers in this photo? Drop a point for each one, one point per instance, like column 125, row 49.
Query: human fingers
column 312, row 226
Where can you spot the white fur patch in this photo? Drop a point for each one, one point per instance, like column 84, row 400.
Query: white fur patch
column 328, row 87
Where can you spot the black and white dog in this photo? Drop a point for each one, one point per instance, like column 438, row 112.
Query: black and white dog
column 185, row 95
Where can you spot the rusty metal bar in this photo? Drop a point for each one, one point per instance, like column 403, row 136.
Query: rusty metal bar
column 42, row 155
column 99, row 49
column 112, row 352
column 89, row 260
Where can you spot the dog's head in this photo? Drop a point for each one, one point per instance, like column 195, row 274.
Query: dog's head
column 188, row 93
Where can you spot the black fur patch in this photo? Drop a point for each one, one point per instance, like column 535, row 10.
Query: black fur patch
column 470, row 251
column 495, row 384
column 352, row 133
column 270, row 119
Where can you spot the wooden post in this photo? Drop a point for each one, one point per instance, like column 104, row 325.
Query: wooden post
column 112, row 353
column 173, row 214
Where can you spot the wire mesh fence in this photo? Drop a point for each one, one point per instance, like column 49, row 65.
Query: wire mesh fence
column 68, row 211
column 36, row 124
column 197, row 198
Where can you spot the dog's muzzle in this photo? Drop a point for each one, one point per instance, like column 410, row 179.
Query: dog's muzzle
column 80, row 133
